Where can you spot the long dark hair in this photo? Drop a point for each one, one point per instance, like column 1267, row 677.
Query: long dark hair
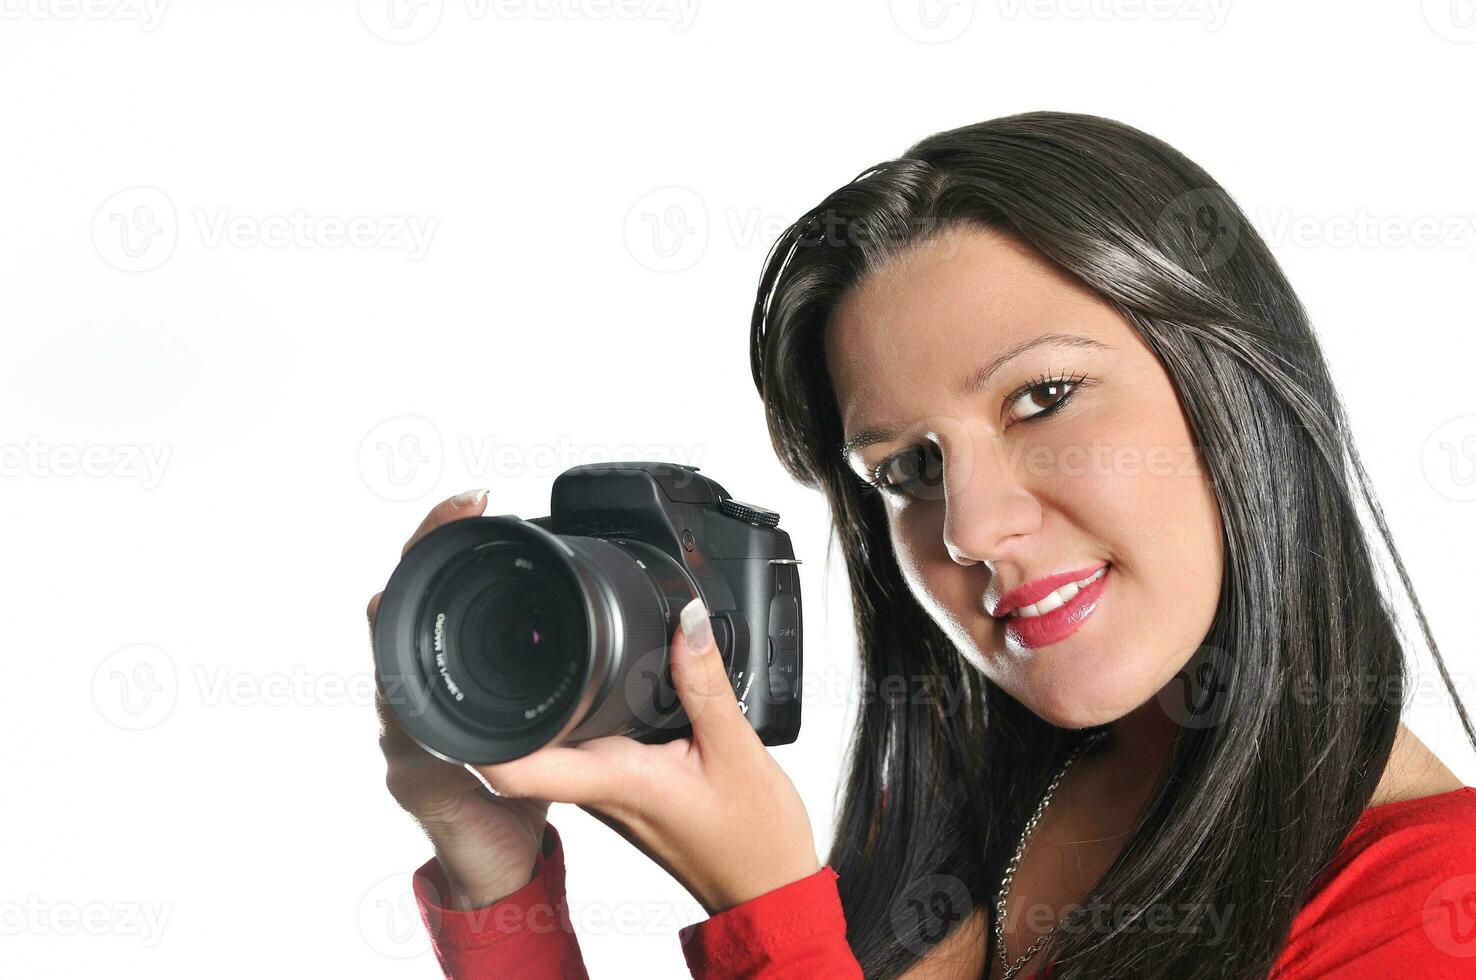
column 1306, row 687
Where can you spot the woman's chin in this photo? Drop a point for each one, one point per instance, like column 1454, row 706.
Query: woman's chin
column 1078, row 699
column 1074, row 717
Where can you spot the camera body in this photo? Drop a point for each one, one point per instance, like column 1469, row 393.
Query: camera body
column 498, row 635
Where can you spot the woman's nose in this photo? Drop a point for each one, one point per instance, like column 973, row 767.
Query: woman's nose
column 987, row 506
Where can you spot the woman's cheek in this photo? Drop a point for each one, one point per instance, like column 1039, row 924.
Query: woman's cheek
column 917, row 529
column 939, row 584
column 1113, row 468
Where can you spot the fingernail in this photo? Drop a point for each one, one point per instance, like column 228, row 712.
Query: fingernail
column 696, row 625
column 468, row 498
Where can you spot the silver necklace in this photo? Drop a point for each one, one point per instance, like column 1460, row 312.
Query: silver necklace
column 1009, row 875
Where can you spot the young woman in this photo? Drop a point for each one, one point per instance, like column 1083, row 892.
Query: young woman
column 1101, row 514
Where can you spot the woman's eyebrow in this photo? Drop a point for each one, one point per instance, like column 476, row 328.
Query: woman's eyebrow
column 861, row 440
column 981, row 377
column 978, row 380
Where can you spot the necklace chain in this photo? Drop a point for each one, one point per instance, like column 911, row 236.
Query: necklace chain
column 1010, row 970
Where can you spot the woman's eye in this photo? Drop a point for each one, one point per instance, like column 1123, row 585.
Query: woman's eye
column 915, row 472
column 1043, row 398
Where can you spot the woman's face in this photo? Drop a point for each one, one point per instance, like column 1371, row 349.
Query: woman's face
column 1025, row 430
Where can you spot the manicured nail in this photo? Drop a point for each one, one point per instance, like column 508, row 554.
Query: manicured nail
column 696, row 625
column 468, row 498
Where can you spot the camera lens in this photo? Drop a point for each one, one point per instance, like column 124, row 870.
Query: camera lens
column 507, row 633
column 508, row 637
column 496, row 637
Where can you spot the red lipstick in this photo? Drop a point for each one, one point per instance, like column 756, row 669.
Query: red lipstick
column 1037, row 590
column 1059, row 623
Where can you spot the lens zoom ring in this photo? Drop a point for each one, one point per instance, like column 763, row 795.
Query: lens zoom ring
column 641, row 608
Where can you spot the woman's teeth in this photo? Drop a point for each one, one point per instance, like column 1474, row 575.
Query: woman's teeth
column 1056, row 599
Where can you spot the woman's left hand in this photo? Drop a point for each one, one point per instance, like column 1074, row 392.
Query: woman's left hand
column 713, row 809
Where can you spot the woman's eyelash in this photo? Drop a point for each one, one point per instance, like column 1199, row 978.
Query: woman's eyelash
column 1071, row 381
column 874, row 482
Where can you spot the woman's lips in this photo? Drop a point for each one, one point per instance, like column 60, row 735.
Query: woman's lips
column 1056, row 625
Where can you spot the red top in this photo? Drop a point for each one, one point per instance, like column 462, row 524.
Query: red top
column 1400, row 901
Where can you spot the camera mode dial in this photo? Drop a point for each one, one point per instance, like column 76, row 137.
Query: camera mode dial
column 748, row 512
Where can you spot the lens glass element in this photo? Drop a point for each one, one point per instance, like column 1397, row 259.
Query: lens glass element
column 506, row 629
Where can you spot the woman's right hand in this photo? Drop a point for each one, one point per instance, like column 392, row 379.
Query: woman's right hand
column 486, row 845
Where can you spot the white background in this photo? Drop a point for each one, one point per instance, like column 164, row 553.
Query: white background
column 186, row 729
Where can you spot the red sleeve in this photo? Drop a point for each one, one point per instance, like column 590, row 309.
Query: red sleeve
column 798, row 929
column 525, row 936
column 1399, row 898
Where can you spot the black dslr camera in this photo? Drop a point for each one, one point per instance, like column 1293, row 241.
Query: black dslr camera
column 497, row 636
